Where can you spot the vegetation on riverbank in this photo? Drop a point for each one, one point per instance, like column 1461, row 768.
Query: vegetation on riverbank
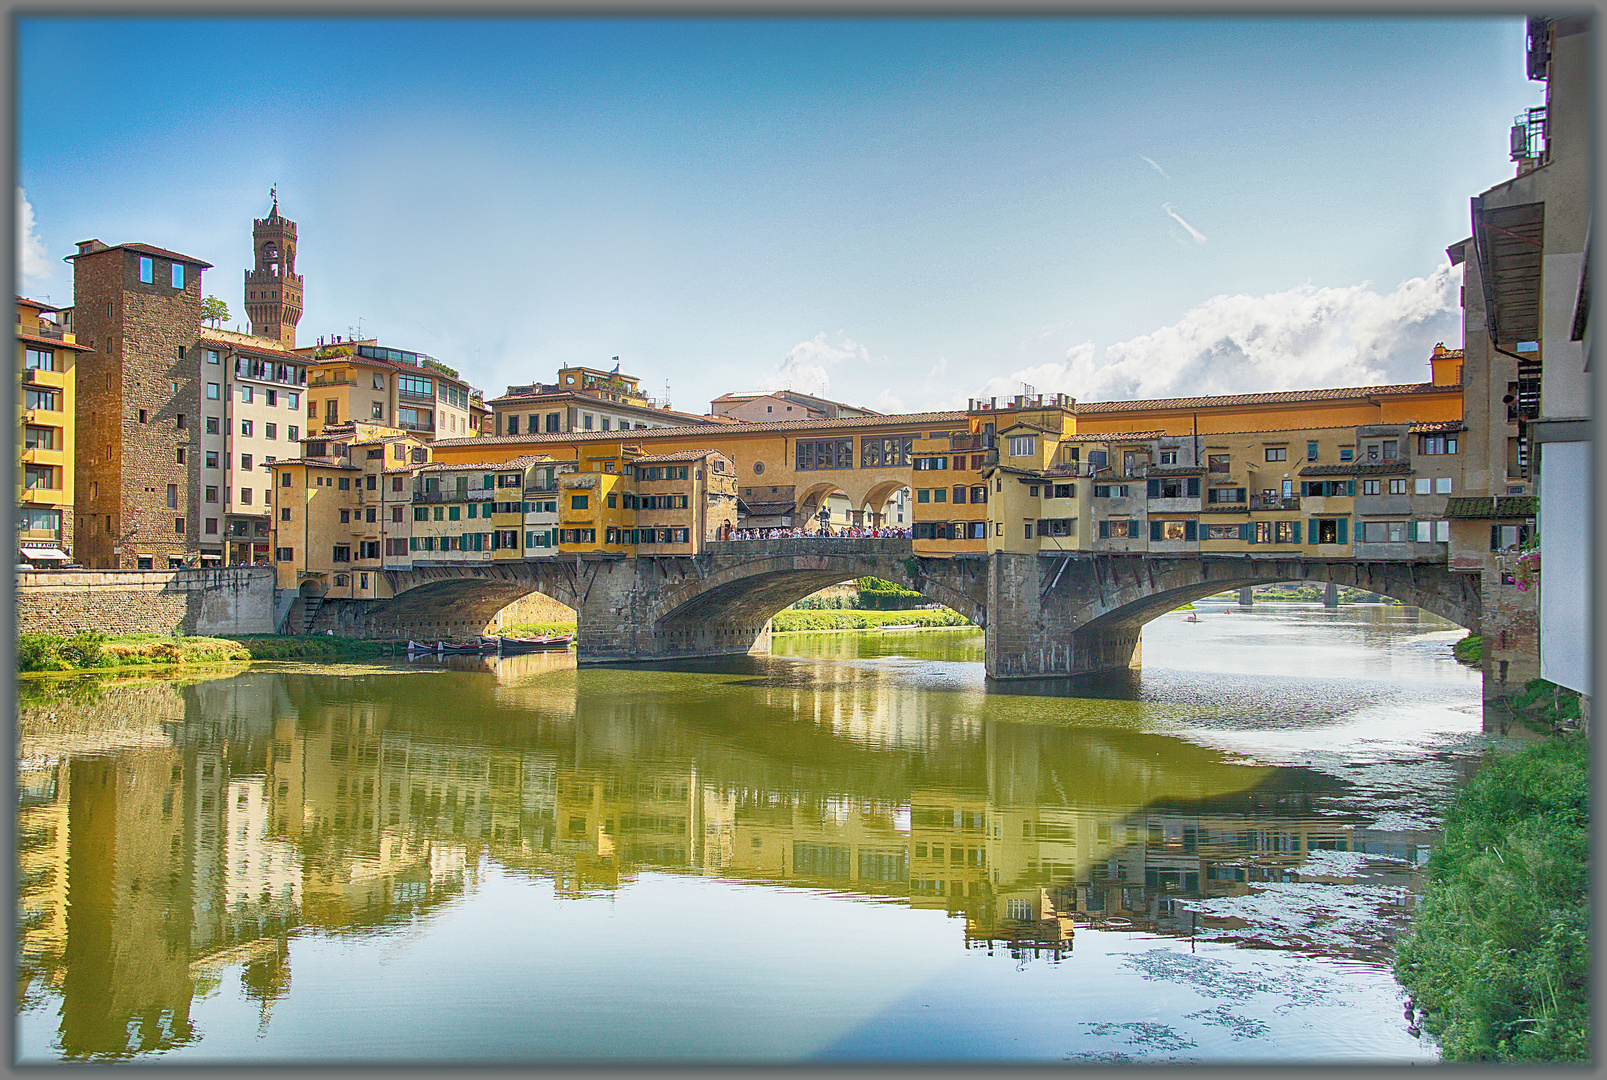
column 537, row 629
column 1470, row 650
column 91, row 650
column 309, row 647
column 792, row 620
column 1499, row 956
column 866, row 594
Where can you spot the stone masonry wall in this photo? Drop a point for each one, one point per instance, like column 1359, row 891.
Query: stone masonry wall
column 227, row 601
column 143, row 334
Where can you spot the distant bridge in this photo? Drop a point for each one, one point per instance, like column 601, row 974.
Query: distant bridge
column 1044, row 615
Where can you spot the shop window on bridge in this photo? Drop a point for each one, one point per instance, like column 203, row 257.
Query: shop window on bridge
column 979, row 493
column 1110, row 491
column 976, row 530
column 930, row 464
column 1119, row 529
column 825, row 454
column 885, row 450
column 1172, row 530
column 1057, row 527
column 1332, row 489
column 1329, row 530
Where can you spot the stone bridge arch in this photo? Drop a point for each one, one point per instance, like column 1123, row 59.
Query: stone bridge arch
column 1083, row 613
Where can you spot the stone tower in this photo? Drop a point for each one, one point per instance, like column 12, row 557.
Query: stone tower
column 273, row 289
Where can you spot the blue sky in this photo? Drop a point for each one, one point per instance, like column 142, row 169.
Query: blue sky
column 900, row 213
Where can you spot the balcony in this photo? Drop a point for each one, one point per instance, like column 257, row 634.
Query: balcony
column 417, row 425
column 42, row 329
column 1263, row 502
column 967, row 442
column 550, row 489
column 450, row 496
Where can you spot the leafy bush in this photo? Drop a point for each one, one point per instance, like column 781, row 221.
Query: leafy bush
column 879, row 595
column 1470, row 650
column 1499, row 957
column 786, row 621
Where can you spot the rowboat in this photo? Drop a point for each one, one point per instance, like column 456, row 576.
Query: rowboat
column 507, row 645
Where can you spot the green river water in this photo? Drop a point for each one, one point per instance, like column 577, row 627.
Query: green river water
column 852, row 850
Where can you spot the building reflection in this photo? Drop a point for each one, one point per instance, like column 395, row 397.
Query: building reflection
column 202, row 828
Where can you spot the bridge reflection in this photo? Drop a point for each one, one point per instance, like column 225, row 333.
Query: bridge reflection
column 166, row 833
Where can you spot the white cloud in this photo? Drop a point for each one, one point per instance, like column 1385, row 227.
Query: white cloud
column 804, row 367
column 1198, row 238
column 1153, row 165
column 1303, row 338
column 33, row 263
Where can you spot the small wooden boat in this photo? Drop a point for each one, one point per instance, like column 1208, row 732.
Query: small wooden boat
column 507, row 645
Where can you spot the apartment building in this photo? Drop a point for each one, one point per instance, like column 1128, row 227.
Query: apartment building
column 252, row 392
column 584, row 399
column 343, row 510
column 138, row 309
column 769, row 406
column 368, row 382
column 949, row 511
column 47, row 365
column 480, row 512
column 683, row 500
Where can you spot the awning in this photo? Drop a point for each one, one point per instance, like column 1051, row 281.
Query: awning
column 46, row 553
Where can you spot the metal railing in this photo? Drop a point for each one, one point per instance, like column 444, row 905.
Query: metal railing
column 1276, row 502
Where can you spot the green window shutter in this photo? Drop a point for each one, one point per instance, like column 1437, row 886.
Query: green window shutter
column 1296, row 526
column 1194, row 487
column 1104, row 533
column 1154, row 489
column 1245, row 532
column 1311, row 535
column 1191, row 530
column 1343, row 523
column 1133, row 527
column 1305, row 488
column 487, row 480
column 1154, row 527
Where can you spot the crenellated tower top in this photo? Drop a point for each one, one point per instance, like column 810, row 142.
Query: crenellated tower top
column 273, row 289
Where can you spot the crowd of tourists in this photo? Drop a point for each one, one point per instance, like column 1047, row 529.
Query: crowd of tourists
column 826, row 532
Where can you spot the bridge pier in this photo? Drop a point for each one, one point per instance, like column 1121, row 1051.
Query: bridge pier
column 1035, row 620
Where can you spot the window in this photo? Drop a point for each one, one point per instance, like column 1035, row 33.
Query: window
column 1225, row 495
column 824, row 454
column 513, row 425
column 1397, row 486
column 284, row 554
column 376, row 410
column 1023, row 446
column 142, row 416
column 1026, row 528
column 344, row 483
column 1221, row 532
column 245, row 496
column 212, row 391
column 212, row 356
column 39, row 476
column 585, row 421
column 40, row 359
column 293, row 433
column 1436, row 444
column 369, row 549
column 1371, row 487
column 178, row 275
column 1506, row 537
column 246, row 395
column 1277, row 453
column 39, row 438
column 181, row 455
column 396, row 513
column 147, row 269
column 292, row 400
column 345, row 517
column 212, row 425
column 1171, row 530
column 178, row 528
column 342, row 553
column 246, row 461
column 1115, row 529
column 1347, row 453
column 245, row 427
column 579, row 502
column 1424, row 486
column 1442, row 485
column 1383, row 532
column 1217, row 462
column 420, row 513
column 1311, row 451
column 47, row 400
column 284, row 513
column 1168, row 457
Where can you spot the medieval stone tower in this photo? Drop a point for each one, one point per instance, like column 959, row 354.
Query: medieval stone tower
column 273, row 289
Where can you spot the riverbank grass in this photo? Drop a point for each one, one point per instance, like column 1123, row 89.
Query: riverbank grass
column 792, row 620
column 1499, row 956
column 88, row 650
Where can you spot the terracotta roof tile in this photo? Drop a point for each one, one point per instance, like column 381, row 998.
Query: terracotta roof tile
column 799, row 427
column 683, row 455
column 1271, row 398
column 55, row 343
column 1484, row 506
column 1358, row 468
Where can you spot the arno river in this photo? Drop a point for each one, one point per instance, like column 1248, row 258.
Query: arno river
column 852, row 850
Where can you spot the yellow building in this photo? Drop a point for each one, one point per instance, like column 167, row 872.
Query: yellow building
column 343, row 510
column 477, row 512
column 683, row 501
column 367, row 382
column 46, row 358
column 949, row 508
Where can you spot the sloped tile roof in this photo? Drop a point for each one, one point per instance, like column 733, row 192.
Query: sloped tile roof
column 803, row 428
column 1499, row 506
column 1270, row 398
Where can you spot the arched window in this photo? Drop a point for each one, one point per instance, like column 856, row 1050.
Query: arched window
column 270, row 258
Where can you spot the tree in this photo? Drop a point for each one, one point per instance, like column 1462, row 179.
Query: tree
column 214, row 310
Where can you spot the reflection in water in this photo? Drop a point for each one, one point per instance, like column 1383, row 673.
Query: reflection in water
column 176, row 840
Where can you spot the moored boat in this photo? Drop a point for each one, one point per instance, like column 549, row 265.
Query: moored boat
column 534, row 644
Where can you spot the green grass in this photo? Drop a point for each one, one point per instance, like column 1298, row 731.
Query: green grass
column 1499, row 956
column 537, row 629
column 307, row 647
column 94, row 651
column 1470, row 650
column 791, row 620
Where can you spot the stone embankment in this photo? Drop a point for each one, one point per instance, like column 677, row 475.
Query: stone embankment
column 229, row 601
